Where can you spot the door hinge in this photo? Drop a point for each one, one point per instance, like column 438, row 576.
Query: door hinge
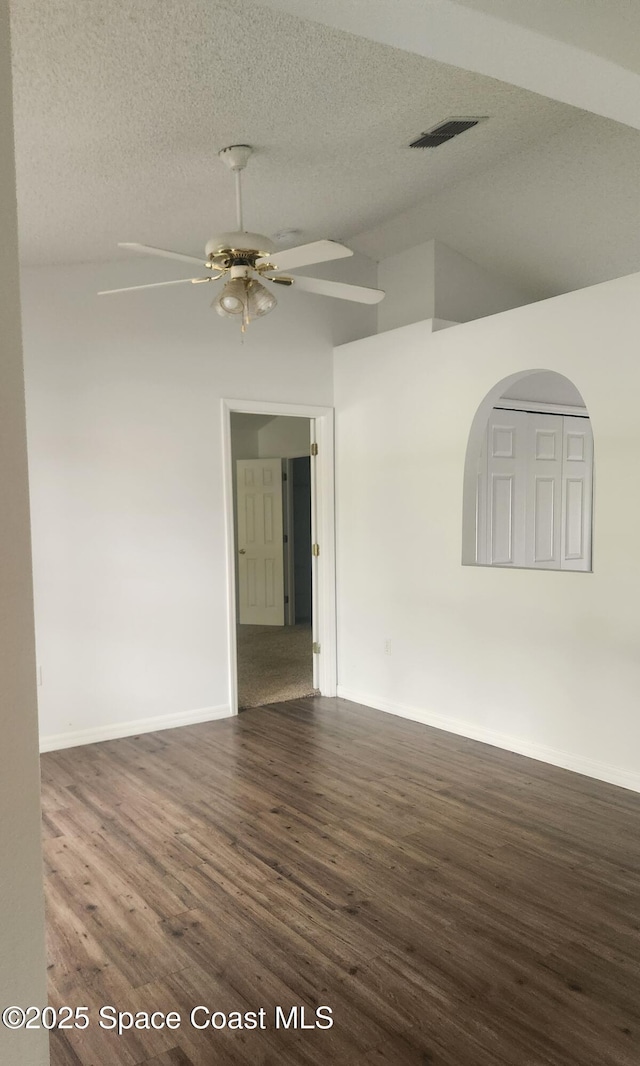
column 284, row 475
column 315, row 549
column 314, row 448
column 315, row 647
column 285, row 538
column 286, row 599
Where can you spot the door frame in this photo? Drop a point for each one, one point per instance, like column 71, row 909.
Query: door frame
column 324, row 626
column 289, row 570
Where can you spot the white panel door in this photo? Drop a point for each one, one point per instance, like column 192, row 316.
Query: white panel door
column 260, row 542
column 577, row 485
column 543, row 524
column 535, row 484
column 506, row 488
column 481, row 504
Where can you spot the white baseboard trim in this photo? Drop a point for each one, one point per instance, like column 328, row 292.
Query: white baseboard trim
column 130, row 729
column 579, row 764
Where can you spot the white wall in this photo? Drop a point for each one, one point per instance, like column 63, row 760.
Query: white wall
column 465, row 291
column 257, row 437
column 545, row 387
column 244, row 435
column 542, row 663
column 124, row 425
column 22, row 959
column 433, row 281
column 349, row 321
column 408, row 280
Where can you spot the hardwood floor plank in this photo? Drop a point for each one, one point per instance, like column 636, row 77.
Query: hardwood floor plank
column 455, row 904
column 174, row 1057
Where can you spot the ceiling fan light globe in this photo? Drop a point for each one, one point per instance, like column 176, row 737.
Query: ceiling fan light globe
column 244, row 296
column 231, row 304
column 259, row 300
column 231, row 299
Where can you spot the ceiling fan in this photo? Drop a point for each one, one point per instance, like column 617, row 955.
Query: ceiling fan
column 247, row 259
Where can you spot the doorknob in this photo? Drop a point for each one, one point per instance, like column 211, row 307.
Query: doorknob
column 241, row 551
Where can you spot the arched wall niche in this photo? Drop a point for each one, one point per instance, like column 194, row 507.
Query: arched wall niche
column 528, row 476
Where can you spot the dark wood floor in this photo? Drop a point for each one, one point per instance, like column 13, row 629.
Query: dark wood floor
column 454, row 904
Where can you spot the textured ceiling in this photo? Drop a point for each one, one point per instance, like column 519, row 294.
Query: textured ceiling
column 554, row 218
column 608, row 28
column 121, row 108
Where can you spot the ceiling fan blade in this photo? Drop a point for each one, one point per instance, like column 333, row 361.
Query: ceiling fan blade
column 359, row 293
column 146, row 249
column 155, row 285
column 306, row 254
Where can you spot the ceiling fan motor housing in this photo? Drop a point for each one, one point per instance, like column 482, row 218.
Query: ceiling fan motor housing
column 239, row 242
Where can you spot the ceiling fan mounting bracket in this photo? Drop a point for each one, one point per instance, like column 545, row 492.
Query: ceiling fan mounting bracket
column 236, row 156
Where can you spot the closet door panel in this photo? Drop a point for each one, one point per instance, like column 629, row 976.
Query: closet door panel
column 506, row 488
column 543, row 519
column 577, row 481
column 481, row 505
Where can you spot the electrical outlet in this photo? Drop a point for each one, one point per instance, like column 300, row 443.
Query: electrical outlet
column 387, row 646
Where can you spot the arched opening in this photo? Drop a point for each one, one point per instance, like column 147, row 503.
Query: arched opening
column 528, row 480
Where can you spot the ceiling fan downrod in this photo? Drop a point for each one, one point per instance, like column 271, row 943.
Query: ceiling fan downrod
column 236, row 157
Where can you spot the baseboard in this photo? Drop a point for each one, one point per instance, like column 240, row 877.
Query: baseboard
column 579, row 764
column 130, row 729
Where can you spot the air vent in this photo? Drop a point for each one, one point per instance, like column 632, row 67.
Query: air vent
column 445, row 131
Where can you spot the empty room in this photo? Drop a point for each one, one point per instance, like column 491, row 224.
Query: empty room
column 319, row 440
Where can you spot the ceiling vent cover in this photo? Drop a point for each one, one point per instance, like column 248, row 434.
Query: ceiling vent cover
column 445, row 131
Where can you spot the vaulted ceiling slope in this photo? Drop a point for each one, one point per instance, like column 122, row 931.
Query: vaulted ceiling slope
column 469, row 37
column 121, row 108
column 556, row 217
column 607, row 28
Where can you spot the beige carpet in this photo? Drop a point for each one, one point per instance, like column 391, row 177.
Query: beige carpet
column 274, row 664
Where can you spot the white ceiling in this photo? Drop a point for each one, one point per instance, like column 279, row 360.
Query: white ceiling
column 467, row 37
column 120, row 110
column 608, row 28
column 553, row 218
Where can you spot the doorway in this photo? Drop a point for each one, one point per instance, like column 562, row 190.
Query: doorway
column 279, row 502
column 298, row 569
